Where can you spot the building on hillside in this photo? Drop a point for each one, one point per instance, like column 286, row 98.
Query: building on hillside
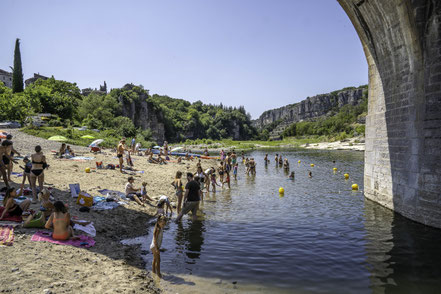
column 6, row 78
column 34, row 79
column 88, row 91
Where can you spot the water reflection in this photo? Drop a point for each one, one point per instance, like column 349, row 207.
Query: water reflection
column 190, row 238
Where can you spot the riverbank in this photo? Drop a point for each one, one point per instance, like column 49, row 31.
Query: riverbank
column 33, row 267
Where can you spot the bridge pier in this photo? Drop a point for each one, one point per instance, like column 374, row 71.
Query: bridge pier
column 402, row 43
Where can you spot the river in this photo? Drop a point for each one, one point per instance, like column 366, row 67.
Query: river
column 319, row 237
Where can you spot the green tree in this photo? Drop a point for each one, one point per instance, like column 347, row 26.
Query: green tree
column 17, row 71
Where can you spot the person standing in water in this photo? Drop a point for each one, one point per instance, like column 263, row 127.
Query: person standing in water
column 192, row 197
column 276, row 159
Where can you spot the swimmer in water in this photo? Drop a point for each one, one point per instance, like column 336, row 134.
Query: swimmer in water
column 310, row 174
column 291, row 176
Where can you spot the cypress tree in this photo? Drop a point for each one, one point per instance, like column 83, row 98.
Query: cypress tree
column 17, row 72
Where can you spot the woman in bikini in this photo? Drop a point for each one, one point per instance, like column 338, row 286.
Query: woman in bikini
column 37, row 171
column 177, row 183
column 11, row 207
column 60, row 221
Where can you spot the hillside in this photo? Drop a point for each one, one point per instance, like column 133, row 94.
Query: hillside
column 273, row 123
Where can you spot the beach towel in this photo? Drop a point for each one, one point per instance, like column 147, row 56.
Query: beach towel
column 106, row 191
column 133, row 171
column 82, row 241
column 6, row 235
column 74, row 190
column 7, row 217
column 82, row 158
column 103, row 205
column 88, row 229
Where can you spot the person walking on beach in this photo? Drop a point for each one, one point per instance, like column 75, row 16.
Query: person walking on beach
column 155, row 246
column 120, row 152
column 192, row 197
column 10, row 151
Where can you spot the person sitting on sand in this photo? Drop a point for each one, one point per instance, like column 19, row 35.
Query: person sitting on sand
column 133, row 193
column 120, row 152
column 144, row 195
column 150, row 159
column 163, row 200
column 11, row 207
column 62, row 150
column 155, row 246
column 60, row 221
column 161, row 160
column 38, row 220
column 179, row 159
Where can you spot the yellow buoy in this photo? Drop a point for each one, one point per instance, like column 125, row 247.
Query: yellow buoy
column 281, row 190
column 312, row 164
column 354, row 187
column 346, row 176
column 299, row 161
column 87, row 169
column 335, row 169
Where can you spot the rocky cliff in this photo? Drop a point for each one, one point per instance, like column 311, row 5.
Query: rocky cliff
column 143, row 114
column 309, row 109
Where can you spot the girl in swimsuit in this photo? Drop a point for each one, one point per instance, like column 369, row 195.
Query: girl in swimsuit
column 200, row 173
column 26, row 173
column 221, row 173
column 60, row 220
column 155, row 246
column 213, row 180
column 177, row 183
column 11, row 207
column 37, row 172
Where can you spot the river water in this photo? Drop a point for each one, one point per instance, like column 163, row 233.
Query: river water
column 319, row 237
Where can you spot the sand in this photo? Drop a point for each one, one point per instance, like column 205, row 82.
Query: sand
column 109, row 266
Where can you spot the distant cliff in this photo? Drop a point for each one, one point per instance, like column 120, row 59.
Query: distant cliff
column 143, row 113
column 276, row 120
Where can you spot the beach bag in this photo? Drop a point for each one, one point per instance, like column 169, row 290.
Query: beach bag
column 74, row 190
column 85, row 199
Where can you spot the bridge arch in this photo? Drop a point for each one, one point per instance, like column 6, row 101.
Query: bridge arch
column 402, row 43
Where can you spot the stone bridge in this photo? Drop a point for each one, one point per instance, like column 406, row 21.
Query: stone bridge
column 402, row 43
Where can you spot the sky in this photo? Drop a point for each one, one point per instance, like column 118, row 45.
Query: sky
column 261, row 54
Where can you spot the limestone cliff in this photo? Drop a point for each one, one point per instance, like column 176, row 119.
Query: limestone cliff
column 143, row 114
column 309, row 109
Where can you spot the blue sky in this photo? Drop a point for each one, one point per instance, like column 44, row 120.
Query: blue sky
column 260, row 54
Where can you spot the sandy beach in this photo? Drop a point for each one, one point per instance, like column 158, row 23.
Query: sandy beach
column 109, row 266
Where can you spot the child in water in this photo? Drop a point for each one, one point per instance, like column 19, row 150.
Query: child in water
column 291, row 176
column 310, row 174
column 213, row 181
column 235, row 167
column 155, row 246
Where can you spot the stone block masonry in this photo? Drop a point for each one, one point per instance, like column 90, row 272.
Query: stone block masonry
column 402, row 43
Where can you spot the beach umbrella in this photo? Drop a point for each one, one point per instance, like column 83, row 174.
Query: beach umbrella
column 156, row 147
column 96, row 143
column 176, row 149
column 87, row 137
column 58, row 138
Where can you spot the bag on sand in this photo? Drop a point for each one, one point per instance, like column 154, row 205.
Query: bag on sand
column 85, row 199
column 74, row 190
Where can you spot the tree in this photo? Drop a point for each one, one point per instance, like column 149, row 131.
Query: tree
column 17, row 71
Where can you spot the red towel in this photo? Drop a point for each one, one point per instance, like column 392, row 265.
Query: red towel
column 11, row 218
column 6, row 235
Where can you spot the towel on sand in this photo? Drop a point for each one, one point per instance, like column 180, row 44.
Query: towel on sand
column 80, row 242
column 6, row 235
column 7, row 217
column 88, row 229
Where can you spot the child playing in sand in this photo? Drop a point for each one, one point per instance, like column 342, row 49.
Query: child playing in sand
column 155, row 246
column 60, row 221
column 144, row 195
column 163, row 200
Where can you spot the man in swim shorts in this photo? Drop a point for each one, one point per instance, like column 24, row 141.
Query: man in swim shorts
column 120, row 152
column 192, row 197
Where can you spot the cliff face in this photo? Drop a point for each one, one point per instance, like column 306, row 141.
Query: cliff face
column 309, row 109
column 143, row 115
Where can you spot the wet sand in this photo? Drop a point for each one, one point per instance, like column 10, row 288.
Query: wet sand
column 109, row 266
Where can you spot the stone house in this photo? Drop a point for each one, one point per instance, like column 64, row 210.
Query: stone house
column 34, row 79
column 6, row 78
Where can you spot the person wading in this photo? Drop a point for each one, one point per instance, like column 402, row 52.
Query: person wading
column 192, row 197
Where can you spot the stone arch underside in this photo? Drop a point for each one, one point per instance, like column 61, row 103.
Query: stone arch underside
column 402, row 43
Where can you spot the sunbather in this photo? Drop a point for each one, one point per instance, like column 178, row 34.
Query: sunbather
column 11, row 207
column 60, row 221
